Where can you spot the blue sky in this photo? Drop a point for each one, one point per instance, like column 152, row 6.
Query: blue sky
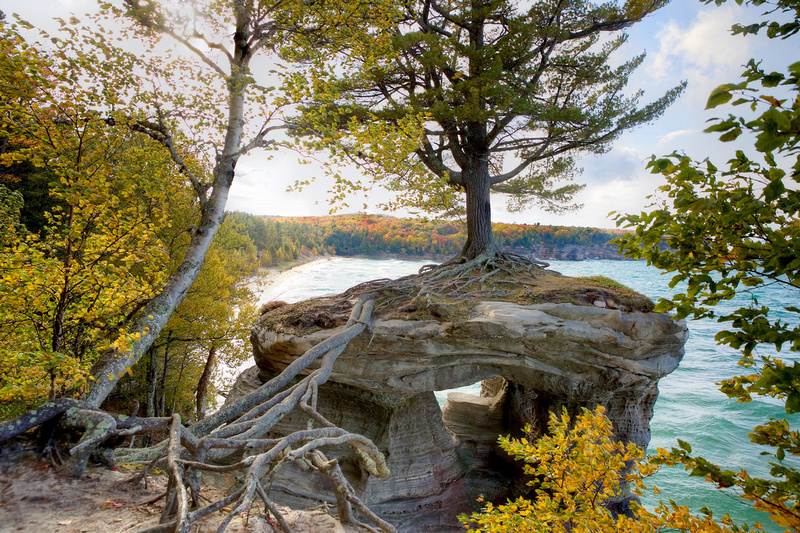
column 685, row 40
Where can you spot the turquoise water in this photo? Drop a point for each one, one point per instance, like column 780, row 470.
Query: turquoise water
column 690, row 406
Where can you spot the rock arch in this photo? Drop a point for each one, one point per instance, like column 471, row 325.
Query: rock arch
column 549, row 355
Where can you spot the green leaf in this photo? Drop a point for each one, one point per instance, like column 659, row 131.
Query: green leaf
column 730, row 135
column 774, row 190
column 773, row 79
column 793, row 403
column 698, row 472
column 719, row 96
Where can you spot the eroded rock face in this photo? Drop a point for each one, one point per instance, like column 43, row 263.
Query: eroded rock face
column 427, row 487
column 550, row 356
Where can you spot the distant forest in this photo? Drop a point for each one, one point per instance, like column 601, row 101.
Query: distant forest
column 281, row 239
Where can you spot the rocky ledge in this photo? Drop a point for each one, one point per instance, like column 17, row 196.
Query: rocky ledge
column 532, row 359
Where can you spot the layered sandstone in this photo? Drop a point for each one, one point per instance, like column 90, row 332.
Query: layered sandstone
column 550, row 355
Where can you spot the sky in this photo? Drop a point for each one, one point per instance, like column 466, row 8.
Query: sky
column 685, row 40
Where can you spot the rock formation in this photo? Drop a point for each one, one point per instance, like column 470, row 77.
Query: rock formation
column 549, row 356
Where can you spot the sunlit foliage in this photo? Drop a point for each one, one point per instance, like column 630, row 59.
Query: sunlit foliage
column 576, row 469
column 209, row 331
column 96, row 254
column 94, row 218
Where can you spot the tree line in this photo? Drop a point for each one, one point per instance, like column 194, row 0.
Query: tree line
column 281, row 239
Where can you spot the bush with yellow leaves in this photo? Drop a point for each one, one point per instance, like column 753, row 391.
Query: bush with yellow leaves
column 576, row 469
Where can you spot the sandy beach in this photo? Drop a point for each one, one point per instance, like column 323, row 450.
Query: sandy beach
column 270, row 283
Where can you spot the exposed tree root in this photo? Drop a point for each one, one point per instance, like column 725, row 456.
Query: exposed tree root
column 241, row 428
column 452, row 282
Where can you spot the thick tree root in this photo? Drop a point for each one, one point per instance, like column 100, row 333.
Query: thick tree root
column 36, row 417
column 95, row 425
column 186, row 455
column 240, row 428
column 452, row 282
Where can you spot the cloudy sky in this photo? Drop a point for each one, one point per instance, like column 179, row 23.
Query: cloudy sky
column 685, row 40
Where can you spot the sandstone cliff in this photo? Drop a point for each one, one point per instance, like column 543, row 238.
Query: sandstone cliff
column 542, row 356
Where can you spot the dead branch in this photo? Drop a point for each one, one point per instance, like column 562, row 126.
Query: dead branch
column 273, row 510
column 345, row 495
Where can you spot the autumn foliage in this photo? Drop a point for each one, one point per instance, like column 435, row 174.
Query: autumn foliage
column 95, row 217
column 576, row 469
column 282, row 239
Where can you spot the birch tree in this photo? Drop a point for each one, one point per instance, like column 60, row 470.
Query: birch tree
column 211, row 97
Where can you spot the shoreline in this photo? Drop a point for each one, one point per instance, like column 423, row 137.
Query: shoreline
column 400, row 257
column 267, row 277
column 265, row 282
column 541, row 252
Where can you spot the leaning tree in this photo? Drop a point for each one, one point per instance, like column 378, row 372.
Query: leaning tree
column 435, row 98
column 201, row 104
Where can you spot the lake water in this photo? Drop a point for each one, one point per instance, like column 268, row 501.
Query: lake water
column 690, row 406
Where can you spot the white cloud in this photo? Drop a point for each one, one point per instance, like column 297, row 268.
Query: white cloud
column 704, row 52
column 671, row 136
column 622, row 163
column 628, row 194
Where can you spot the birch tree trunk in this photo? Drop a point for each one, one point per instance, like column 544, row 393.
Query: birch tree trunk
column 112, row 365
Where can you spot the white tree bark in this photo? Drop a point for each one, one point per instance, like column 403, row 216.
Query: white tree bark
column 154, row 316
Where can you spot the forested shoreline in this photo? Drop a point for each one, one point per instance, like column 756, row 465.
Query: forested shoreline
column 281, row 239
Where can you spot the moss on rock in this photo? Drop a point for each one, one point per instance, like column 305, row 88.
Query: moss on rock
column 449, row 294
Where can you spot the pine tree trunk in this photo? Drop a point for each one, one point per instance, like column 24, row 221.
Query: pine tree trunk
column 480, row 240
